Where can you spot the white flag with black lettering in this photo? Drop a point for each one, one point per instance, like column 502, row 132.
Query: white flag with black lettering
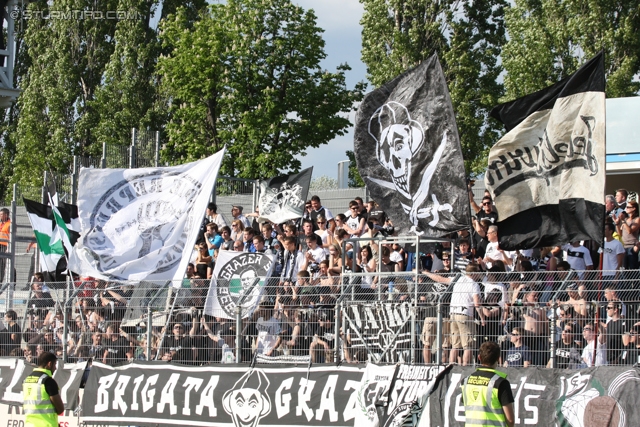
column 141, row 224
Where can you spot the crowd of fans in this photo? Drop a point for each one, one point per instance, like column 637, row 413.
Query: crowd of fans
column 534, row 302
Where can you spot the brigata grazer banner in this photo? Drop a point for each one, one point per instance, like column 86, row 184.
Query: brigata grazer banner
column 153, row 393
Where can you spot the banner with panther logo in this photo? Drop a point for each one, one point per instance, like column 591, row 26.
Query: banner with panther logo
column 408, row 152
column 238, row 279
column 140, row 224
column 282, row 198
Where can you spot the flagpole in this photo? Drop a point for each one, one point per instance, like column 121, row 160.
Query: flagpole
column 601, row 263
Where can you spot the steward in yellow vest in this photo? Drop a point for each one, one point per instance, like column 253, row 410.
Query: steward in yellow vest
column 486, row 393
column 42, row 401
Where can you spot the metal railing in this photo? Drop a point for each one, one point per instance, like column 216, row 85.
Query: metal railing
column 545, row 319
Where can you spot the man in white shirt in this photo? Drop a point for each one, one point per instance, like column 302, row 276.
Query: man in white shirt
column 587, row 353
column 464, row 298
column 578, row 257
column 613, row 256
column 268, row 327
column 493, row 251
column 214, row 216
column 313, row 257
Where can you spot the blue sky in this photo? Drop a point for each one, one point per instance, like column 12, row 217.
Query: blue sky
column 340, row 20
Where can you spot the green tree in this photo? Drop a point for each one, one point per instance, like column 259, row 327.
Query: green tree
column 247, row 75
column 355, row 180
column 550, row 39
column 125, row 98
column 66, row 60
column 399, row 34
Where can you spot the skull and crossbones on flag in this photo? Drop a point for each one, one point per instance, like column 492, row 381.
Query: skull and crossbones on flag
column 409, row 155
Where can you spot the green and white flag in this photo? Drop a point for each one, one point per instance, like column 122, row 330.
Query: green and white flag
column 61, row 227
column 54, row 233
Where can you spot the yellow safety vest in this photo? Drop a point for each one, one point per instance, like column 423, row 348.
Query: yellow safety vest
column 481, row 403
column 38, row 409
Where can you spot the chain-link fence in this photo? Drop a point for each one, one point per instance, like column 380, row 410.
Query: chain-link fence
column 540, row 318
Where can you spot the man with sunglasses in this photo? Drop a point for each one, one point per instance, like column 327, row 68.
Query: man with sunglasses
column 567, row 353
column 589, row 335
column 519, row 355
column 486, row 210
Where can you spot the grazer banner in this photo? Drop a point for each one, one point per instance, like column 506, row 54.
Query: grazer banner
column 282, row 198
column 157, row 393
column 408, row 153
column 139, row 224
column 13, row 372
column 594, row 397
column 547, row 173
column 238, row 278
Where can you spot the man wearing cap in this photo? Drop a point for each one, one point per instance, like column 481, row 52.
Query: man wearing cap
column 42, row 402
column 236, row 212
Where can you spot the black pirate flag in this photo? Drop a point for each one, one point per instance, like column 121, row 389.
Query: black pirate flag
column 282, row 198
column 408, row 152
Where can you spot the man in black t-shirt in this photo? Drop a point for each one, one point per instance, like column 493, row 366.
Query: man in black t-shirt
column 616, row 327
column 567, row 353
column 181, row 346
column 115, row 347
column 323, row 337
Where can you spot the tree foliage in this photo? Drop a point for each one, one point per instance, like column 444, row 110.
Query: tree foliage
column 247, row 75
column 67, row 58
column 84, row 82
column 550, row 39
column 323, row 183
column 468, row 36
column 355, row 180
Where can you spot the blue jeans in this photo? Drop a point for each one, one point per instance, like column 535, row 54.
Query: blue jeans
column 630, row 259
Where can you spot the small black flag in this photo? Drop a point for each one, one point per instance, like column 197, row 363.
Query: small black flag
column 408, row 152
column 282, row 198
column 547, row 173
